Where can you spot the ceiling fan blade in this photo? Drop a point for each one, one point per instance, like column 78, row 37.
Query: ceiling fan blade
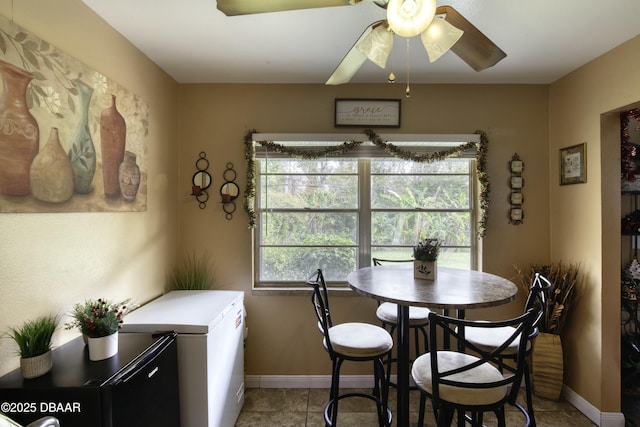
column 474, row 48
column 247, row 7
column 352, row 61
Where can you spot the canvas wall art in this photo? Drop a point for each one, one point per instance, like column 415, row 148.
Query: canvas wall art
column 71, row 139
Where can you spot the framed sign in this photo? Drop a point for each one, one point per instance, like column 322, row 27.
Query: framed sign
column 573, row 164
column 367, row 112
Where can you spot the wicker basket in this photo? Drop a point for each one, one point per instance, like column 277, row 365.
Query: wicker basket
column 547, row 366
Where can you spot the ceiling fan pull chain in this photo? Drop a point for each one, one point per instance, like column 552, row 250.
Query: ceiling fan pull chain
column 392, row 76
column 408, row 89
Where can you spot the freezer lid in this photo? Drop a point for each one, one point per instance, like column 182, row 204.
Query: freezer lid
column 185, row 312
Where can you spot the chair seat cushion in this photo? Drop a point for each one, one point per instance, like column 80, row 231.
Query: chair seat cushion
column 388, row 312
column 360, row 339
column 447, row 360
column 490, row 338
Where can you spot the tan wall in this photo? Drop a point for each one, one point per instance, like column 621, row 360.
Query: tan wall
column 215, row 118
column 585, row 218
column 50, row 261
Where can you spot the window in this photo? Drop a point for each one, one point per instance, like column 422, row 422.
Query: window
column 337, row 213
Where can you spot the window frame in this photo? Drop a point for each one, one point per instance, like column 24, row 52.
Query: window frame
column 423, row 144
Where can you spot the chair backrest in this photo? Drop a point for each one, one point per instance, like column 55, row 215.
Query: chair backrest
column 320, row 301
column 537, row 300
column 440, row 325
column 382, row 261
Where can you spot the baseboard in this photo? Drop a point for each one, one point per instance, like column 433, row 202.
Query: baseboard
column 602, row 419
column 306, row 381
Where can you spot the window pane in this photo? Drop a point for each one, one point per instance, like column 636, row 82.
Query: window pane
column 386, row 166
column 449, row 257
column 297, row 166
column 420, row 191
column 405, row 253
column 404, row 228
column 308, row 228
column 309, row 191
column 296, row 264
column 310, row 213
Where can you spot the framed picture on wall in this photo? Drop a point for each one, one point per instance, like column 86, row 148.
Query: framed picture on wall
column 573, row 164
column 367, row 112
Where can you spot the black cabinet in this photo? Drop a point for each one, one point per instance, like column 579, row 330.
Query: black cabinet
column 138, row 387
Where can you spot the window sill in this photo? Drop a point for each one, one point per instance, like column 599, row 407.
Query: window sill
column 289, row 292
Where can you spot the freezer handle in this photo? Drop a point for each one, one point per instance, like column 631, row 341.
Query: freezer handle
column 141, row 362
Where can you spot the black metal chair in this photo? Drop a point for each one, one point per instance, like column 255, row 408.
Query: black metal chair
column 387, row 313
column 470, row 382
column 490, row 339
column 354, row 341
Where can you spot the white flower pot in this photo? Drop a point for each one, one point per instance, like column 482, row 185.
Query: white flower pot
column 33, row 367
column 425, row 269
column 103, row 347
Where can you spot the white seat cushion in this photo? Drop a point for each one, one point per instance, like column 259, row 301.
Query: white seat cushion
column 360, row 339
column 388, row 313
column 490, row 338
column 447, row 360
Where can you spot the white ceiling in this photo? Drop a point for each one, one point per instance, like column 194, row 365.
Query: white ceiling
column 196, row 43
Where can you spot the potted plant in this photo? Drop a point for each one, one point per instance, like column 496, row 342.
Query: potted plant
column 99, row 321
column 34, row 344
column 547, row 358
column 425, row 255
column 193, row 274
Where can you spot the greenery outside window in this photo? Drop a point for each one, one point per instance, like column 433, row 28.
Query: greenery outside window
column 338, row 212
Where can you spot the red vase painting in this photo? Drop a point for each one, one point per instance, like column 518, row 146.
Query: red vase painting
column 19, row 132
column 113, row 131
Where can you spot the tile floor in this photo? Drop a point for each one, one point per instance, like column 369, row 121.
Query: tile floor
column 303, row 408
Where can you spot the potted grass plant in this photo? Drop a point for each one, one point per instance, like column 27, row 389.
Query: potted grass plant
column 192, row 274
column 425, row 255
column 547, row 359
column 34, row 345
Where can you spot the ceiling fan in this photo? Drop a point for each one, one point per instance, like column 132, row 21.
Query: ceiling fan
column 407, row 18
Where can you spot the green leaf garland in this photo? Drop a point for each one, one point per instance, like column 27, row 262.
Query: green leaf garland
column 395, row 151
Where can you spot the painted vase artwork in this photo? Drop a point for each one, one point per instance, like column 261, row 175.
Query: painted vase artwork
column 113, row 133
column 51, row 172
column 82, row 152
column 19, row 131
column 129, row 175
column 52, row 104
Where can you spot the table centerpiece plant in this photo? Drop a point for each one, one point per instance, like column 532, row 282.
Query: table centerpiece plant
column 99, row 321
column 34, row 345
column 425, row 255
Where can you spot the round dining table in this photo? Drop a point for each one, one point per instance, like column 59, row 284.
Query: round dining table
column 452, row 289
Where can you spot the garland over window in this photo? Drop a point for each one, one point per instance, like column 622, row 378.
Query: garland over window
column 393, row 150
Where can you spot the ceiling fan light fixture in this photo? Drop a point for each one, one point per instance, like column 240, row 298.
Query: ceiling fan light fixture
column 439, row 37
column 408, row 18
column 376, row 46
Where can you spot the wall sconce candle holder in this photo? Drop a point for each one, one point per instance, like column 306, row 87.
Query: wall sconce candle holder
column 229, row 191
column 516, row 182
column 201, row 181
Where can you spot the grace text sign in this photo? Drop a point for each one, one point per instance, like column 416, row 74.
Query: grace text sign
column 367, row 112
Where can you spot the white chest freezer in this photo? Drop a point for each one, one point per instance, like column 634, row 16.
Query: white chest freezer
column 210, row 328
